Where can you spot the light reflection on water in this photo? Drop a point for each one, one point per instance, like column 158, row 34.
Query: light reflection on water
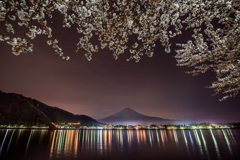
column 205, row 145
column 3, row 141
column 198, row 142
column 216, row 145
column 106, row 144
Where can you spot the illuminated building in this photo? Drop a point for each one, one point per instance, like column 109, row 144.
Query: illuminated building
column 131, row 127
column 140, row 127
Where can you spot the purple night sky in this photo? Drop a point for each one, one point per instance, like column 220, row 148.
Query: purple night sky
column 99, row 88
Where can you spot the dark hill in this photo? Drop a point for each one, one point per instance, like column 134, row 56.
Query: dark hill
column 17, row 109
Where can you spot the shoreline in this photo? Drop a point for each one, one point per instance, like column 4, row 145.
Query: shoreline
column 112, row 129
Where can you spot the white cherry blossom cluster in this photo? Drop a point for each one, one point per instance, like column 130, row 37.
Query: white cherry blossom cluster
column 215, row 47
column 117, row 23
column 136, row 25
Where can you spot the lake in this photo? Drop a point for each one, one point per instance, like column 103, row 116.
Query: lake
column 36, row 144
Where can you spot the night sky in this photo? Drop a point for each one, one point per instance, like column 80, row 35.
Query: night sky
column 99, row 88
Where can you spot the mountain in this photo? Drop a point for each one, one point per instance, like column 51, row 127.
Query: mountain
column 128, row 116
column 20, row 110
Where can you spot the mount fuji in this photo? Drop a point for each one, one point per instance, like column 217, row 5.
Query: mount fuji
column 128, row 116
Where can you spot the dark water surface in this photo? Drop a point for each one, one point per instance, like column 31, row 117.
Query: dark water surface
column 34, row 144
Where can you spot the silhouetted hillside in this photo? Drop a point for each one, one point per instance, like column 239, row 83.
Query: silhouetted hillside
column 17, row 109
column 58, row 115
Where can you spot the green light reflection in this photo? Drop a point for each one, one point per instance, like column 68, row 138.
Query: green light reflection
column 19, row 134
column 94, row 138
column 65, row 140
column 158, row 138
column 42, row 135
column 215, row 144
column 232, row 137
column 121, row 138
column 88, row 139
column 128, row 137
column 57, row 139
column 204, row 144
column 100, row 140
column 91, row 143
column 83, row 140
column 150, row 138
column 186, row 142
column 228, row 144
column 10, row 140
column 198, row 141
column 175, row 136
column 29, row 140
column 60, row 144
